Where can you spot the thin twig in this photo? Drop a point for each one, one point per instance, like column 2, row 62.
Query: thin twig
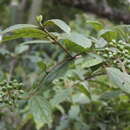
column 57, row 42
column 54, row 40
column 93, row 76
column 49, row 71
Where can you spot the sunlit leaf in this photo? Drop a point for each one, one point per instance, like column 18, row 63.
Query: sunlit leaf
column 61, row 24
column 89, row 61
column 96, row 24
column 22, row 31
column 17, row 27
column 108, row 34
column 101, row 42
column 36, row 42
column 61, row 96
column 120, row 79
column 77, row 42
column 21, row 48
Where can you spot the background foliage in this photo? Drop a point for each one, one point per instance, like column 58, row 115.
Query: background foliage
column 58, row 76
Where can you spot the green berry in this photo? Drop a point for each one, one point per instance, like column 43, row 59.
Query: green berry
column 114, row 53
column 14, row 81
column 126, row 51
column 113, row 40
column 98, row 53
column 4, row 89
column 110, row 53
column 19, row 97
column 105, row 55
column 10, row 103
column 21, row 91
column 9, row 87
column 106, row 49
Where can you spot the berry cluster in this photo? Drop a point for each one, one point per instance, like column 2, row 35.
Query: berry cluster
column 10, row 91
column 114, row 51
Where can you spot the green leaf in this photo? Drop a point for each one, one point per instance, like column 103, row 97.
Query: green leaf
column 96, row 24
column 120, row 79
column 74, row 111
column 80, row 98
column 36, row 42
column 16, row 31
column 21, row 48
column 61, row 24
column 3, row 51
column 123, row 26
column 17, row 27
column 61, row 96
column 108, row 34
column 89, row 61
column 101, row 42
column 41, row 111
column 110, row 95
column 42, row 65
column 123, row 32
column 77, row 42
column 58, row 71
column 64, row 124
column 83, row 86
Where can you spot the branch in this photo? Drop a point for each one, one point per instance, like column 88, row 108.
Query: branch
column 57, row 42
column 49, row 71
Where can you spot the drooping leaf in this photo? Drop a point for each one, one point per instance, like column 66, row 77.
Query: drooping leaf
column 74, row 111
column 61, row 96
column 110, row 95
column 81, row 125
column 101, row 42
column 120, row 79
column 41, row 111
column 80, row 98
column 61, row 24
column 77, row 42
column 21, row 48
column 83, row 87
column 64, row 124
column 19, row 31
column 17, row 27
column 58, row 71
